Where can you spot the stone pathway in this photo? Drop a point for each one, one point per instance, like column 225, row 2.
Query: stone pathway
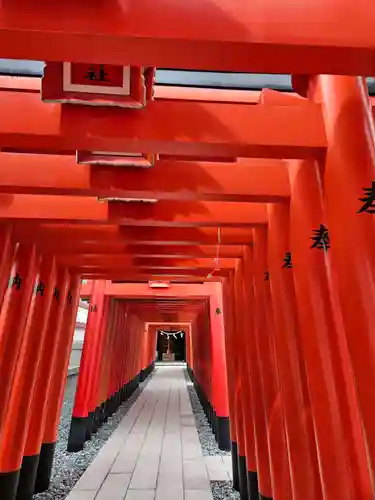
column 155, row 453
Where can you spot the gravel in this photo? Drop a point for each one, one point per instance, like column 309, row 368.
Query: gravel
column 206, row 437
column 69, row 467
column 221, row 490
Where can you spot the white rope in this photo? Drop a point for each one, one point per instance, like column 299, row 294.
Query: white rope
column 173, row 334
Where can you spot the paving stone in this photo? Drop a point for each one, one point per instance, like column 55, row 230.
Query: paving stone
column 81, row 495
column 68, row 468
column 114, row 487
column 195, row 475
column 140, row 495
column 155, row 454
column 128, row 457
column 216, row 468
column 198, row 495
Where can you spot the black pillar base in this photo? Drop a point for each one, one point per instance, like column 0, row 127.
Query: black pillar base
column 43, row 476
column 215, row 424
column 223, row 433
column 146, row 372
column 219, row 425
column 106, row 410
column 242, row 476
column 90, row 425
column 252, row 485
column 81, row 429
column 124, row 393
column 8, row 484
column 101, row 414
column 77, row 434
column 97, row 419
column 27, row 478
column 117, row 400
column 235, row 473
column 111, row 406
column 94, row 422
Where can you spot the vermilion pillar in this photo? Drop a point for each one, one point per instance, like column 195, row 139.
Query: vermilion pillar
column 105, row 362
column 94, row 404
column 127, row 328
column 294, row 392
column 13, row 433
column 99, row 310
column 153, row 343
column 253, row 368
column 218, row 368
column 144, row 353
column 231, row 373
column 81, row 425
column 150, row 350
column 64, row 344
column 34, row 456
column 116, row 354
column 263, row 316
column 109, row 407
column 200, row 373
column 247, row 467
column 340, row 445
column 349, row 196
column 188, row 338
column 12, row 322
column 122, row 350
column 7, row 246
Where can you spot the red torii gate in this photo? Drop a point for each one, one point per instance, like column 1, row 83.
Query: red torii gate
column 288, row 179
column 205, row 348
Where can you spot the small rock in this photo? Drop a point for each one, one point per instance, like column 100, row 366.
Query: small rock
column 222, row 490
column 206, row 437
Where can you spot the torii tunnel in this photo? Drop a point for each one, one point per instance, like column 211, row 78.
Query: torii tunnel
column 242, row 216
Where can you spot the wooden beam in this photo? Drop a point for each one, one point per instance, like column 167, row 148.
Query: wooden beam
column 266, row 37
column 173, row 127
column 62, row 233
column 163, row 213
column 247, row 180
